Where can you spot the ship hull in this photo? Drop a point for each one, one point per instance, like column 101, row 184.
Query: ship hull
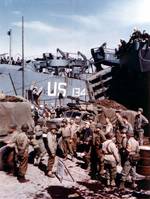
column 130, row 84
column 52, row 85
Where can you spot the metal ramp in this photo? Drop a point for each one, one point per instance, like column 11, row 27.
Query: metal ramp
column 104, row 56
column 99, row 83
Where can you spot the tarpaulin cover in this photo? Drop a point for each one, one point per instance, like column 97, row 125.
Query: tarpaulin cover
column 111, row 114
column 14, row 112
column 103, row 111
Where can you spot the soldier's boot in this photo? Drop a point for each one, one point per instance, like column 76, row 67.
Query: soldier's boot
column 22, row 179
column 122, row 186
column 113, row 183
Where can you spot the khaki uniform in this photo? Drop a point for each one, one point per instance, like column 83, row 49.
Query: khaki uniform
column 97, row 160
column 66, row 135
column 140, row 122
column 11, row 164
column 111, row 159
column 123, row 152
column 22, row 144
column 129, row 166
column 109, row 128
column 75, row 128
column 39, row 146
column 11, row 138
column 52, row 144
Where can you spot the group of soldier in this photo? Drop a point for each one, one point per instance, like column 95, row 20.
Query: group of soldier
column 138, row 39
column 104, row 149
column 8, row 60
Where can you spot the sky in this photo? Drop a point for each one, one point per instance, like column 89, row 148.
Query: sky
column 71, row 25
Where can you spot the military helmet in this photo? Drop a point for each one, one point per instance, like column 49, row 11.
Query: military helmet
column 37, row 128
column 39, row 133
column 140, row 109
column 98, row 126
column 110, row 135
column 124, row 130
column 130, row 133
column 53, row 126
column 40, row 120
column 65, row 121
column 25, row 127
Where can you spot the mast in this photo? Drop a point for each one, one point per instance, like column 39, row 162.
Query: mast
column 23, row 56
column 9, row 33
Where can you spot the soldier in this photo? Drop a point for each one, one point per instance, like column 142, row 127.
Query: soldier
column 36, row 93
column 123, row 123
column 12, row 134
column 87, row 143
column 126, row 124
column 140, row 122
column 65, row 131
column 39, row 146
column 21, row 142
column 96, row 151
column 121, row 142
column 75, row 129
column 130, row 164
column 109, row 126
column 52, row 144
column 61, row 99
column 53, row 113
column 40, row 124
column 35, row 114
column 37, row 141
column 92, row 123
column 111, row 159
column 11, row 166
column 47, row 112
column 136, row 35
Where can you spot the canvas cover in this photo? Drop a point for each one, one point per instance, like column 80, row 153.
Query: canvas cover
column 14, row 112
column 102, row 112
column 111, row 114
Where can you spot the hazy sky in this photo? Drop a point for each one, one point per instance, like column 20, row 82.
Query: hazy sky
column 70, row 25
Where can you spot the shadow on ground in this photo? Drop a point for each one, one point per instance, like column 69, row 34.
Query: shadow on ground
column 60, row 192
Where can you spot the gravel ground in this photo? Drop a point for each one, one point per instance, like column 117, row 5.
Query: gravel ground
column 10, row 188
column 43, row 187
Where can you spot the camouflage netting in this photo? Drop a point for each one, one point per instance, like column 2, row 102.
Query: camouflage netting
column 12, row 112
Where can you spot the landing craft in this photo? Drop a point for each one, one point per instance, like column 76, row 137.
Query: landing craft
column 128, row 79
column 63, row 74
column 125, row 79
